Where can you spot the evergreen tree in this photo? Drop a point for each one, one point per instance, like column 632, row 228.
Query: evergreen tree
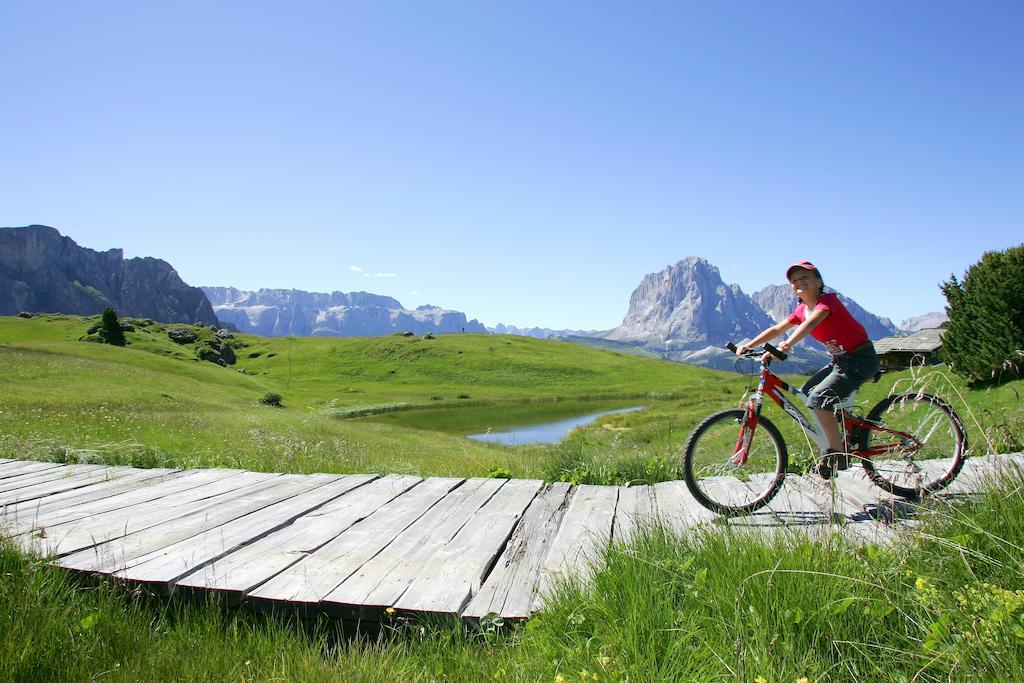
column 984, row 338
column 110, row 328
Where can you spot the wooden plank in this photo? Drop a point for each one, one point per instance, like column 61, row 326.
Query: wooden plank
column 447, row 580
column 511, row 587
column 92, row 529
column 635, row 511
column 320, row 572
column 121, row 551
column 258, row 562
column 170, row 562
column 41, row 476
column 382, row 581
column 584, row 534
column 20, row 517
column 14, row 468
column 125, row 503
column 677, row 509
column 72, row 479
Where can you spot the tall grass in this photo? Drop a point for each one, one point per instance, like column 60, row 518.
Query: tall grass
column 944, row 602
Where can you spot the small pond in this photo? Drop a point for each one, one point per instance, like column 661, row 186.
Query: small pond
column 546, row 432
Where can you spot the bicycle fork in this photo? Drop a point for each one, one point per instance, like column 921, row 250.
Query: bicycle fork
column 747, row 427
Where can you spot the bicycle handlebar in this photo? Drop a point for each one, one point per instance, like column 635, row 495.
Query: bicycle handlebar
column 756, row 354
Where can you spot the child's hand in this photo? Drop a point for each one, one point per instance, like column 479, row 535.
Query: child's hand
column 741, row 349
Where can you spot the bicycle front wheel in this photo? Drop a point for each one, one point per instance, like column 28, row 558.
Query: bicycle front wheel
column 925, row 462
column 712, row 474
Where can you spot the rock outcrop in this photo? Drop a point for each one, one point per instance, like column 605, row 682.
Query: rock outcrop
column 282, row 312
column 924, row 322
column 42, row 270
column 688, row 307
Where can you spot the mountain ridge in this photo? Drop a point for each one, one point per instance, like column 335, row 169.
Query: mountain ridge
column 43, row 270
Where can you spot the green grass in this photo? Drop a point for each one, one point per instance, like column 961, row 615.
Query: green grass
column 388, row 404
column 154, row 403
column 712, row 605
column 944, row 603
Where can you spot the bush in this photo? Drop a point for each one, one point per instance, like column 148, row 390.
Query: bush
column 110, row 328
column 984, row 338
column 272, row 399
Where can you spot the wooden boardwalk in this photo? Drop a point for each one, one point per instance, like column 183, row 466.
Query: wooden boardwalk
column 356, row 545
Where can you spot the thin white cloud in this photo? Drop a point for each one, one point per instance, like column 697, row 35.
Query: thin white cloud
column 386, row 275
column 356, row 269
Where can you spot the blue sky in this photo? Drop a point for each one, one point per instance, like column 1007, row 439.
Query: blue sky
column 524, row 162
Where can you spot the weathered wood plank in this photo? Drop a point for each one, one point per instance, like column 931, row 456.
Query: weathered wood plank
column 170, row 562
column 11, row 484
column 584, row 534
column 256, row 563
column 511, row 587
column 21, row 517
column 124, row 503
column 317, row 574
column 85, row 532
column 677, row 509
column 447, row 580
column 382, row 580
column 72, row 479
column 635, row 510
column 14, row 468
column 122, row 551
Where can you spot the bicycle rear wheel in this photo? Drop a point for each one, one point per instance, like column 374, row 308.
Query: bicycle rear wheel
column 713, row 477
column 911, row 469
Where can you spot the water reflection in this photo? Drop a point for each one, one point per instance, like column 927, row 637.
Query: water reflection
column 546, row 432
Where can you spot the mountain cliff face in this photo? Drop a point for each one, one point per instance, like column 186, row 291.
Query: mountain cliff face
column 43, row 271
column 282, row 312
column 688, row 307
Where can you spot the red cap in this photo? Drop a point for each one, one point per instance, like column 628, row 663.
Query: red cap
column 806, row 265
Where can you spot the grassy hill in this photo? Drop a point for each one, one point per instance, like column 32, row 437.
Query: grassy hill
column 385, row 404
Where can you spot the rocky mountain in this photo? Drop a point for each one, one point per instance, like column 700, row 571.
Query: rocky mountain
column 688, row 307
column 44, row 271
column 282, row 312
column 924, row 322
column 539, row 332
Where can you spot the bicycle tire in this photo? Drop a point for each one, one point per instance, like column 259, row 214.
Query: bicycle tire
column 707, row 464
column 920, row 471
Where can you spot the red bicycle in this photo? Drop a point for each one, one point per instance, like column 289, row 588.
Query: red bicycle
column 735, row 461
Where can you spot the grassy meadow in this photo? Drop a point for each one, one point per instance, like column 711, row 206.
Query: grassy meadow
column 945, row 604
column 386, row 405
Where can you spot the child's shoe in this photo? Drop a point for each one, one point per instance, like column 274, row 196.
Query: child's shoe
column 831, row 462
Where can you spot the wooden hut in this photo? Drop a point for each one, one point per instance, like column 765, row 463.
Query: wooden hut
column 919, row 348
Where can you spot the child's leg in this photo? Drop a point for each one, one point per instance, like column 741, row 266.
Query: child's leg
column 830, row 425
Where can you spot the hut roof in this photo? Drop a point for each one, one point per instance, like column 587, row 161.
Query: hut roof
column 922, row 341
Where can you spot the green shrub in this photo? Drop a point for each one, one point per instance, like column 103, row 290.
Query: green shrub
column 984, row 338
column 272, row 398
column 110, row 328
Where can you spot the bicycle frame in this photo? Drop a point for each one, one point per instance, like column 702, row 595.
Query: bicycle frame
column 775, row 388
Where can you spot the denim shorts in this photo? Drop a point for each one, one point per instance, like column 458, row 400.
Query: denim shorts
column 840, row 378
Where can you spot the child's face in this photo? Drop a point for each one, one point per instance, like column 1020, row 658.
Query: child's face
column 805, row 282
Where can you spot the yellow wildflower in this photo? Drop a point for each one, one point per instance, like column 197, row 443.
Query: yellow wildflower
column 559, row 678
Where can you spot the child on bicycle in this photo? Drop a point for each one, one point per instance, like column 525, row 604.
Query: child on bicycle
column 824, row 317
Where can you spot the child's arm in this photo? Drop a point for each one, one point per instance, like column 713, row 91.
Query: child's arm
column 769, row 334
column 812, row 321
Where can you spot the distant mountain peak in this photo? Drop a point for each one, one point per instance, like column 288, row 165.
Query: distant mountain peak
column 42, row 270
column 282, row 312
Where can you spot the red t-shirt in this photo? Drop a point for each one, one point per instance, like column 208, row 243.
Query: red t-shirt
column 839, row 331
